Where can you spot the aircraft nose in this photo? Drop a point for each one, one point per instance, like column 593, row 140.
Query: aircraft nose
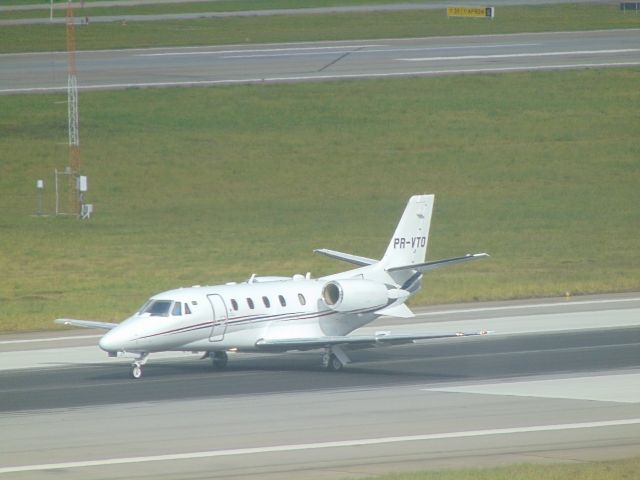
column 110, row 342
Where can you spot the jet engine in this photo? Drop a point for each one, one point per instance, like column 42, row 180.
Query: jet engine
column 354, row 294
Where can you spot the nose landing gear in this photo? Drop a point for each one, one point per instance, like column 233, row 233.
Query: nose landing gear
column 136, row 366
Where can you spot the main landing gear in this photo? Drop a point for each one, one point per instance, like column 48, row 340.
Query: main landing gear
column 334, row 358
column 136, row 366
column 219, row 360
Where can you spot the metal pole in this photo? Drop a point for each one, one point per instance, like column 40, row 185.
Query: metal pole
column 51, row 12
column 57, row 200
column 39, row 201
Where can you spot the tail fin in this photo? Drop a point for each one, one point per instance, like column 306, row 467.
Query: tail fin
column 408, row 245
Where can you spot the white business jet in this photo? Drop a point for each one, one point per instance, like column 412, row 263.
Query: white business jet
column 279, row 314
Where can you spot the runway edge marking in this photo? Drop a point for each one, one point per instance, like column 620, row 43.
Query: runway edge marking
column 528, row 306
column 320, row 445
column 52, row 339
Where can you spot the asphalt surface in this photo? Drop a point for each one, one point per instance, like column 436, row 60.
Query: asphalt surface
column 320, row 61
column 539, row 397
column 435, row 362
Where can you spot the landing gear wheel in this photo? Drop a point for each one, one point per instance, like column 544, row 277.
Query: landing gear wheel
column 219, row 360
column 136, row 372
column 334, row 364
column 136, row 367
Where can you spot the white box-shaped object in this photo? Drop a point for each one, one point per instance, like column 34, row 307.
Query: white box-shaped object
column 86, row 210
column 83, row 184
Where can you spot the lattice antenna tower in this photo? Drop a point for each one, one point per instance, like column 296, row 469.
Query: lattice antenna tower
column 72, row 100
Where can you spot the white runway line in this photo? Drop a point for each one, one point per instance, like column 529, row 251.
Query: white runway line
column 52, row 339
column 320, row 445
column 262, row 50
column 543, row 305
column 383, row 50
column 520, row 55
column 623, row 388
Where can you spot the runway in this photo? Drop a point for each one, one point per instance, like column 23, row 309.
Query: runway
column 544, row 391
column 320, row 61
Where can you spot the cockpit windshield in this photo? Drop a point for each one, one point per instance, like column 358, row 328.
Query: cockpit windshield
column 144, row 307
column 158, row 308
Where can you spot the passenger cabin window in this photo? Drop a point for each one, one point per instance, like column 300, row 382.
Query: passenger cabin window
column 250, row 303
column 266, row 302
column 158, row 308
column 303, row 301
column 187, row 310
column 177, row 309
column 234, row 304
column 282, row 301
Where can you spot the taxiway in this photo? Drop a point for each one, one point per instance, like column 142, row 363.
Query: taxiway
column 320, row 61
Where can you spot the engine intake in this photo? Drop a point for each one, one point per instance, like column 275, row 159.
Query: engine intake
column 354, row 294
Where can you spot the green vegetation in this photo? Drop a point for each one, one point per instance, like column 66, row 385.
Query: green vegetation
column 626, row 469
column 342, row 26
column 237, row 5
column 43, row 3
column 195, row 7
column 205, row 185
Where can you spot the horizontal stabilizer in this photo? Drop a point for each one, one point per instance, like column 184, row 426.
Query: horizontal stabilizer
column 423, row 267
column 358, row 341
column 347, row 257
column 86, row 323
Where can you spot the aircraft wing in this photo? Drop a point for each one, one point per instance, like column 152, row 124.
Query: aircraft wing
column 86, row 323
column 358, row 341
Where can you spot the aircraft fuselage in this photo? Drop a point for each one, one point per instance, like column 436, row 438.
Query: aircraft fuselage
column 232, row 317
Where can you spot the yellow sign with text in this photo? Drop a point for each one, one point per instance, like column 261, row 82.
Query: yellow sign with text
column 478, row 12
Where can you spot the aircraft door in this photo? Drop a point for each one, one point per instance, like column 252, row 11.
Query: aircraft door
column 219, row 326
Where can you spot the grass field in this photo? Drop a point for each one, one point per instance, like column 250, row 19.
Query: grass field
column 235, row 5
column 43, row 3
column 613, row 470
column 199, row 186
column 313, row 27
column 183, row 7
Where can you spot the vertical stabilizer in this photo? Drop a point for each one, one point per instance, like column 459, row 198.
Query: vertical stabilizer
column 408, row 245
